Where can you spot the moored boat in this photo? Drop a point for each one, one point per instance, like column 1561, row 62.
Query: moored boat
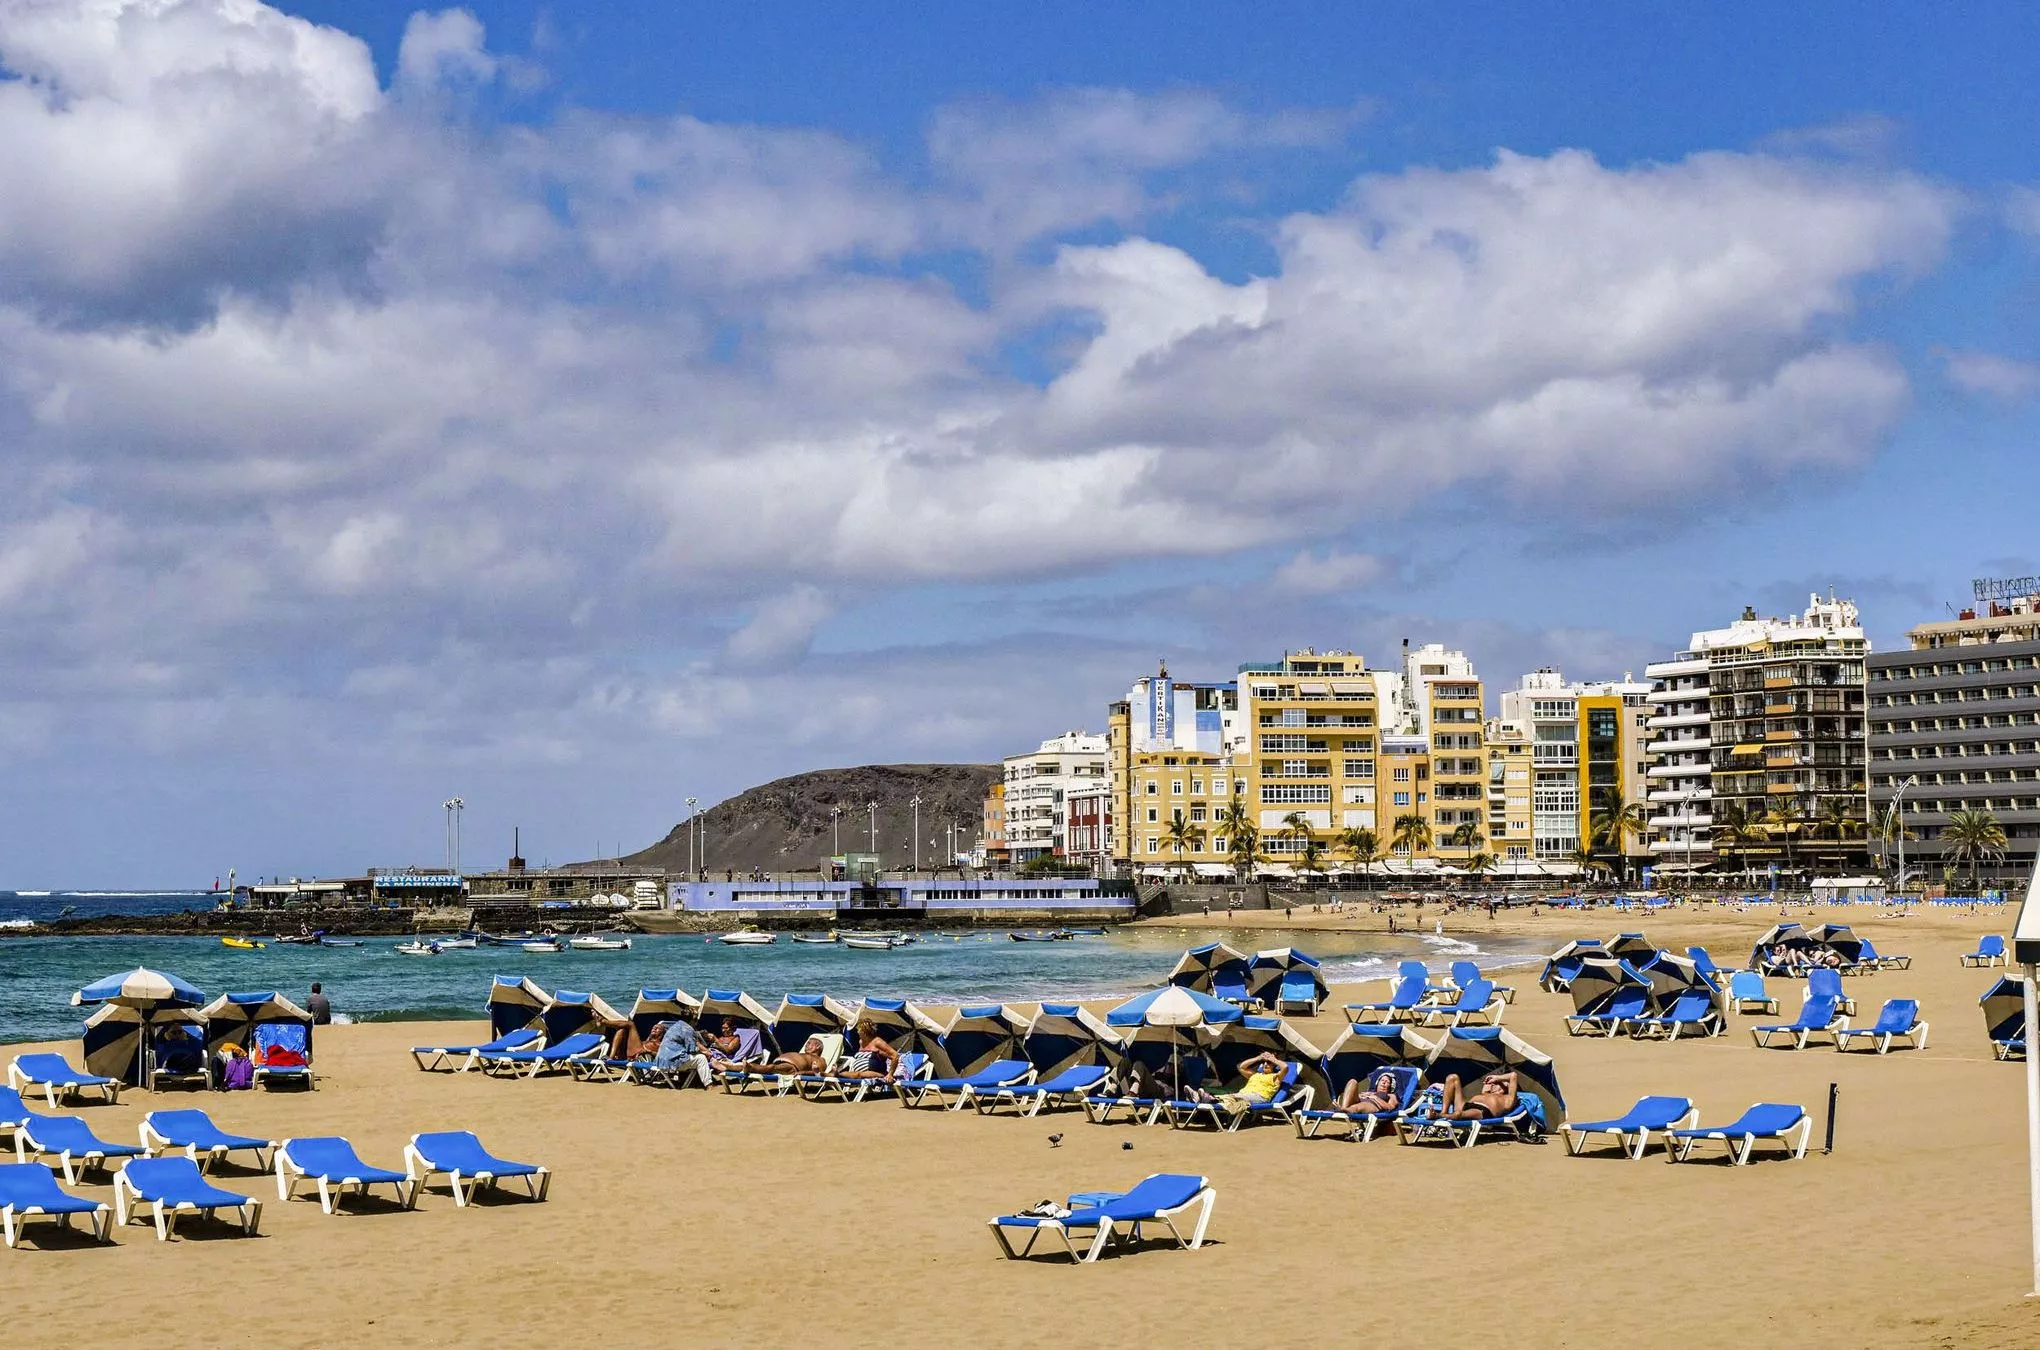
column 871, row 944
column 416, row 948
column 242, row 944
column 749, row 938
column 543, row 945
column 591, row 942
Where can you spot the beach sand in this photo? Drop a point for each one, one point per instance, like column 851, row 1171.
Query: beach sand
column 697, row 1218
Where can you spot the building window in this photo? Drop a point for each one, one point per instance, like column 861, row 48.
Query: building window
column 1402, row 775
column 1154, row 844
column 1197, row 787
column 1151, row 815
column 1402, row 799
column 1153, row 788
column 1359, row 768
column 1285, row 794
column 1175, row 787
column 1218, row 787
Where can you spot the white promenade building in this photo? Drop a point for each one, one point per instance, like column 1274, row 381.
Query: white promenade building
column 1039, row 784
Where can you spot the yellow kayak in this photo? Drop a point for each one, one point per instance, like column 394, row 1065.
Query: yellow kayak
column 243, row 943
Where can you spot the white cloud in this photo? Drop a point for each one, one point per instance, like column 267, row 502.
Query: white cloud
column 1330, row 572
column 443, row 46
column 781, row 630
column 1986, row 373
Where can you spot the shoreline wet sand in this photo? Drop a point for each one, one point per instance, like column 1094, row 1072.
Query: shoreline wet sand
column 698, row 1217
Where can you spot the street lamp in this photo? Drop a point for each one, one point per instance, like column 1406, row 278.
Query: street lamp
column 1894, row 821
column 874, row 828
column 693, row 873
column 915, row 802
column 454, row 806
column 836, row 826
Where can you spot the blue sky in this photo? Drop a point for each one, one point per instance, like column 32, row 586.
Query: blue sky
column 578, row 408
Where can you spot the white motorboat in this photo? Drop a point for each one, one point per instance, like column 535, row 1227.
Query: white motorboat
column 747, row 939
column 463, row 944
column 871, row 944
column 417, row 949
column 594, row 943
column 543, row 945
column 816, row 939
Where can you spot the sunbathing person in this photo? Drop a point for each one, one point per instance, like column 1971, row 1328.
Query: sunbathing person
column 734, row 1048
column 1265, row 1073
column 625, row 1043
column 1496, row 1098
column 1168, row 1085
column 875, row 1057
column 807, row 1059
column 1379, row 1095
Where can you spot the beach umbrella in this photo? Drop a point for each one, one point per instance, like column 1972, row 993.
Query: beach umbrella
column 977, row 1035
column 1560, row 966
column 1786, row 934
column 1230, row 1044
column 902, row 1026
column 1634, row 948
column 1362, row 1048
column 2004, row 1009
column 738, row 1006
column 1474, row 1052
column 1065, row 1036
column 570, row 1013
column 653, row 1006
column 149, row 993
column 1195, row 968
column 233, row 1018
column 1597, row 980
column 114, row 1046
column 800, row 1016
column 1266, row 970
column 1670, row 976
column 514, row 1004
column 1163, row 1023
column 1840, row 938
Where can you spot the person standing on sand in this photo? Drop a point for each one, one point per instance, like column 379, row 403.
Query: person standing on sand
column 319, row 1006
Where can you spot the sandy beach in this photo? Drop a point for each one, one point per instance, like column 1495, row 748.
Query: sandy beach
column 694, row 1217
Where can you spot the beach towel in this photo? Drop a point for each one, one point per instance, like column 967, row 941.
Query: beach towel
column 238, row 1074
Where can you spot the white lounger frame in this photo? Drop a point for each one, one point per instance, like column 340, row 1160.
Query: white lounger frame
column 1916, row 1035
column 420, row 1171
column 1202, row 1202
column 1741, row 1146
column 13, row 1221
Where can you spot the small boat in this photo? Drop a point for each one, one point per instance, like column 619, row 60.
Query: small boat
column 815, row 939
column 325, row 941
column 594, row 943
column 459, row 944
column 1032, row 937
column 750, row 938
column 1085, row 932
column 542, row 945
column 242, row 944
column 302, row 940
column 415, row 948
column 871, row 944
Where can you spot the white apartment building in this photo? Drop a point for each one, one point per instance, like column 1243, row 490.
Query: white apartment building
column 1681, row 781
column 1039, row 784
column 1562, row 800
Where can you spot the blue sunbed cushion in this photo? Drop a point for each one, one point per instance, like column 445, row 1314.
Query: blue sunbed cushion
column 177, row 1181
column 30, row 1185
column 68, row 1134
column 195, row 1129
column 1649, row 1113
column 57, row 1071
column 461, row 1151
column 334, row 1159
column 1762, row 1120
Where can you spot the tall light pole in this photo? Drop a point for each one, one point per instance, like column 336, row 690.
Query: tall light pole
column 454, row 806
column 1895, row 821
column 874, row 828
column 693, row 873
column 915, row 802
column 836, row 826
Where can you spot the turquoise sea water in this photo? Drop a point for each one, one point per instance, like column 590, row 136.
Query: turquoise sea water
column 38, row 975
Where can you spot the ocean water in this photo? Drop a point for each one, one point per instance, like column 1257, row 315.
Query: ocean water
column 373, row 982
column 43, row 906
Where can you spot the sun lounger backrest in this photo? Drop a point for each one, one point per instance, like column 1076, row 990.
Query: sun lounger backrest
column 1747, row 984
column 49, row 1068
column 1821, row 980
column 1991, row 945
column 12, row 1108
column 1898, row 1014
column 1464, row 973
column 1657, row 1113
column 1768, row 1118
column 1819, row 1011
column 1163, row 1190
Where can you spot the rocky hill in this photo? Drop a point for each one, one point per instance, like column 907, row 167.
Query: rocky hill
column 785, row 825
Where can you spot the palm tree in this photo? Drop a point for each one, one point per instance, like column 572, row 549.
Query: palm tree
column 1236, row 825
column 1613, row 822
column 1787, row 817
column 1412, row 832
column 1311, row 856
column 1734, row 827
column 1183, row 834
column 1466, row 836
column 1839, row 821
column 1482, row 861
column 1363, row 846
column 1974, row 837
column 1588, row 864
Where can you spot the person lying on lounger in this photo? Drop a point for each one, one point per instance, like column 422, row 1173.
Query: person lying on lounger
column 625, row 1043
column 807, row 1059
column 1167, row 1085
column 1380, row 1095
column 1264, row 1072
column 875, row 1057
column 1496, row 1098
column 733, row 1048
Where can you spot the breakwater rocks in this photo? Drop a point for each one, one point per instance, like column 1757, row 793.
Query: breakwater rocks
column 350, row 922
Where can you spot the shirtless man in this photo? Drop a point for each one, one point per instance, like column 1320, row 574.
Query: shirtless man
column 1496, row 1098
column 807, row 1059
column 1379, row 1095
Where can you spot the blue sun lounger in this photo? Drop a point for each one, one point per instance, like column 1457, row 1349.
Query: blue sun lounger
column 54, row 1074
column 1990, row 951
column 1406, row 998
column 1000, row 1073
column 1766, row 1121
column 1820, row 1015
column 1824, row 982
column 1632, row 1129
column 532, row 1063
column 1067, row 1088
column 13, row 1110
column 202, row 1141
column 172, row 1187
column 1898, row 1019
column 1232, row 1110
column 459, row 1155
column 331, row 1163
column 1466, row 972
column 282, row 1052
column 1476, row 999
column 1689, row 1012
column 1157, row 1199
column 1877, row 960
column 1622, row 1008
column 30, row 1190
column 1524, row 1121
column 469, row 1056
column 1361, row 1125
column 70, row 1140
column 1746, row 990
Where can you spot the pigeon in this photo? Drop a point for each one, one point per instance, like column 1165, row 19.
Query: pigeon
column 1055, row 1141
column 1126, row 1145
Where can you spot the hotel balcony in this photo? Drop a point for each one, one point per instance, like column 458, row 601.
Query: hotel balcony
column 1678, row 719
column 1676, row 771
column 1670, row 745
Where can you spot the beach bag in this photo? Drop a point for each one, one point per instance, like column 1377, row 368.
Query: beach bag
column 238, row 1074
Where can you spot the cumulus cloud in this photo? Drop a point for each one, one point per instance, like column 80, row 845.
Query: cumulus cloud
column 1330, row 572
column 1994, row 376
column 313, row 388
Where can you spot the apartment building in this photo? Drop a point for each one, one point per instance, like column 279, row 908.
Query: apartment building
column 1038, row 785
column 1587, row 744
column 1784, row 741
column 1511, row 770
column 1172, row 775
column 991, row 849
column 1953, row 724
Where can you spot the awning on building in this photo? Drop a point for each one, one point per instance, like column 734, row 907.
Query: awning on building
column 1748, row 749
